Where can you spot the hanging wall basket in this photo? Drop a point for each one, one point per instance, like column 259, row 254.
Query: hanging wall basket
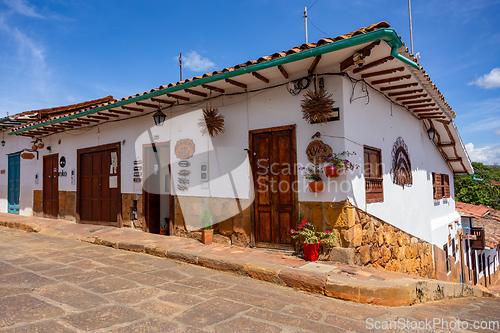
column 212, row 122
column 316, row 106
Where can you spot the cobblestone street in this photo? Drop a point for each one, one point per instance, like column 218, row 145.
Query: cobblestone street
column 52, row 284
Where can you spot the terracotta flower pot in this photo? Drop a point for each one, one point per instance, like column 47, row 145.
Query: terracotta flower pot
column 163, row 231
column 207, row 236
column 311, row 251
column 331, row 172
column 316, row 186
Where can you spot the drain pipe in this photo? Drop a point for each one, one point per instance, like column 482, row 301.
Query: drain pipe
column 473, row 177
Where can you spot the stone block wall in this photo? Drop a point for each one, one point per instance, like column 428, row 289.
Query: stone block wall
column 37, row 203
column 67, row 204
column 127, row 205
column 375, row 242
column 234, row 230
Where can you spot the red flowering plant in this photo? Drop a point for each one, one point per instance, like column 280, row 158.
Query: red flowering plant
column 311, row 235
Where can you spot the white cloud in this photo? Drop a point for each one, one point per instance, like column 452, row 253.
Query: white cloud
column 497, row 132
column 195, row 62
column 22, row 7
column 490, row 80
column 486, row 155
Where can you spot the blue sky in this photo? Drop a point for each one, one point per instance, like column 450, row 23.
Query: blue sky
column 60, row 52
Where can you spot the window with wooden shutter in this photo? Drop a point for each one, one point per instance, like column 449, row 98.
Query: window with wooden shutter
column 441, row 185
column 373, row 174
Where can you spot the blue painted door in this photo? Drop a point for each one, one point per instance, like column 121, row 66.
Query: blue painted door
column 14, row 182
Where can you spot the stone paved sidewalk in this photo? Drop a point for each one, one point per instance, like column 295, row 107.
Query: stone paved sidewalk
column 352, row 283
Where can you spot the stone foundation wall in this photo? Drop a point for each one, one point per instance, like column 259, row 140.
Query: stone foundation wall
column 37, row 203
column 127, row 205
column 371, row 241
column 67, row 204
column 235, row 230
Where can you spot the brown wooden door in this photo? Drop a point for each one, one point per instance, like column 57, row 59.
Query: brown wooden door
column 99, row 194
column 51, row 185
column 274, row 173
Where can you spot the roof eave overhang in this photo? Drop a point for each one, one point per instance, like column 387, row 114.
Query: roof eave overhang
column 388, row 35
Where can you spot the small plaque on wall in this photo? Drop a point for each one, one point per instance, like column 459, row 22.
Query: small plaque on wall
column 184, row 149
column 316, row 150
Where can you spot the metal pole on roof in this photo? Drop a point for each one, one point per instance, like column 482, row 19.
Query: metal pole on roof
column 305, row 20
column 411, row 30
column 180, row 66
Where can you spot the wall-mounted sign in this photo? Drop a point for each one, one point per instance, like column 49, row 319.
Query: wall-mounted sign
column 184, row 149
column 62, row 174
column 138, row 161
column 184, row 164
column 62, row 161
column 316, row 150
column 2, row 172
column 184, row 172
column 27, row 156
column 137, row 179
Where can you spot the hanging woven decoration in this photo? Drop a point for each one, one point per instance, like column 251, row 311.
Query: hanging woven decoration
column 316, row 106
column 212, row 122
column 401, row 164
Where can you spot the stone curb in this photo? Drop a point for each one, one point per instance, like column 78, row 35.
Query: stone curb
column 394, row 293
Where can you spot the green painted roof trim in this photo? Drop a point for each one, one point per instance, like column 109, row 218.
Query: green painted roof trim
column 387, row 35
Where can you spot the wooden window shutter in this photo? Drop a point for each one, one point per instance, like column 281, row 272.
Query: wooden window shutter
column 446, row 187
column 437, row 183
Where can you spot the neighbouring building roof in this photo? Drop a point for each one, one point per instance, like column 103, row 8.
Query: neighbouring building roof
column 484, row 217
column 397, row 75
column 470, row 210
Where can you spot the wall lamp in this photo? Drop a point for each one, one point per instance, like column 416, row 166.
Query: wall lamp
column 159, row 117
column 431, row 132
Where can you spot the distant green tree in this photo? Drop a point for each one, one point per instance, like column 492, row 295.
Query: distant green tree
column 477, row 192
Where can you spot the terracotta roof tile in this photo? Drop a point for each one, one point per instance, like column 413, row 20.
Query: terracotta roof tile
column 471, row 210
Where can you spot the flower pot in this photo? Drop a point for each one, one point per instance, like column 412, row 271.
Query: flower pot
column 316, row 186
column 163, row 231
column 206, row 236
column 311, row 251
column 331, row 172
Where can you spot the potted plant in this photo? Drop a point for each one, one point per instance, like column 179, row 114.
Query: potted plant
column 207, row 220
column 313, row 173
column 312, row 238
column 337, row 163
column 163, row 226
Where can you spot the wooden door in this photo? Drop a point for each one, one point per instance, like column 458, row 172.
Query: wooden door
column 50, row 192
column 274, row 173
column 99, row 194
column 14, row 183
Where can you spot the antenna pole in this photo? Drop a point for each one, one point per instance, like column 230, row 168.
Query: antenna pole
column 180, row 66
column 305, row 20
column 411, row 30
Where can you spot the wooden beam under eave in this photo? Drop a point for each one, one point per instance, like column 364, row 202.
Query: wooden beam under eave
column 260, row 77
column 148, row 105
column 446, row 122
column 457, row 159
column 179, row 97
column 51, row 129
column 236, row 83
column 420, row 101
column 450, row 144
column 392, row 79
column 425, row 110
column 210, row 87
column 283, row 71
column 194, row 92
column 126, row 113
column 131, row 108
column 372, row 64
column 400, row 86
column 98, row 117
column 429, row 114
column 108, row 114
column 432, row 117
column 406, row 92
column 420, row 105
column 74, row 123
column 314, row 64
column 404, row 98
column 91, row 120
column 384, row 72
column 160, row 100
column 79, row 121
column 62, row 126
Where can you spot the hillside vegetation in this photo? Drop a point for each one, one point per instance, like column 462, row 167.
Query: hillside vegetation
column 482, row 192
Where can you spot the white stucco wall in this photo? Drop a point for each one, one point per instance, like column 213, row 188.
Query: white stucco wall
column 377, row 123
